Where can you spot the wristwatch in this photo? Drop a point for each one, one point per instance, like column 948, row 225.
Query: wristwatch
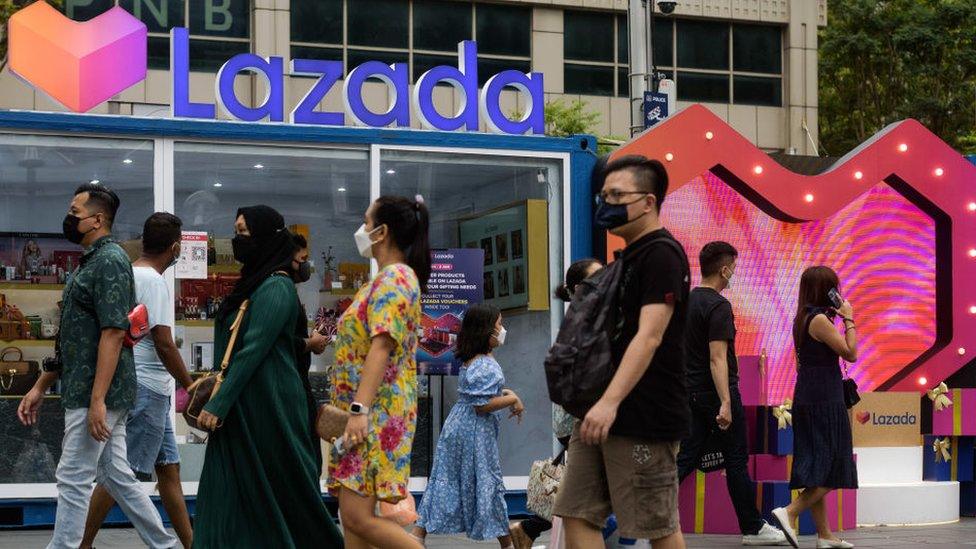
column 357, row 409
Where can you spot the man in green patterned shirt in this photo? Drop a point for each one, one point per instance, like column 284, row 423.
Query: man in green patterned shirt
column 98, row 377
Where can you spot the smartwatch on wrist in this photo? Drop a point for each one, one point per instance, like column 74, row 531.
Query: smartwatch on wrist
column 357, row 409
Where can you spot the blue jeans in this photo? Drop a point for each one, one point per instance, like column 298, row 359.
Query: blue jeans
column 84, row 461
column 149, row 433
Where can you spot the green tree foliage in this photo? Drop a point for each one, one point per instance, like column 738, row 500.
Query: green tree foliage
column 565, row 119
column 882, row 61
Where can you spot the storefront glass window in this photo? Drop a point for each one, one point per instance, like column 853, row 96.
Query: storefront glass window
column 322, row 194
column 38, row 177
column 464, row 193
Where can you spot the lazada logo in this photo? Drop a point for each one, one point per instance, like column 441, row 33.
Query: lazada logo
column 80, row 65
column 886, row 419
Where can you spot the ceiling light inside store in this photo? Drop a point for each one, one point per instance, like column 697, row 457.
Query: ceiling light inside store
column 94, row 182
column 259, row 166
column 127, row 161
column 391, row 171
column 218, row 184
column 341, row 189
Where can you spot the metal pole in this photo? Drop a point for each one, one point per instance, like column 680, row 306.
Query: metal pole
column 651, row 72
column 636, row 24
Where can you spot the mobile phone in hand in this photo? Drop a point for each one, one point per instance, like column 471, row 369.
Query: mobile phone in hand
column 835, row 299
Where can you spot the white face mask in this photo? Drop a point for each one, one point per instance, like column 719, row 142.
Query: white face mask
column 728, row 280
column 500, row 336
column 364, row 242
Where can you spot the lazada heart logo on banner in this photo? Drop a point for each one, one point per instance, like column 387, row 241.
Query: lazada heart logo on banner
column 863, row 417
column 80, row 65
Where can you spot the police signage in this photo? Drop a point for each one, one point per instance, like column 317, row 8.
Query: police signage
column 655, row 108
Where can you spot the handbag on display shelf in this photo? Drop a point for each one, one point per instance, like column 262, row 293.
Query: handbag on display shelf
column 207, row 387
column 17, row 376
column 544, row 478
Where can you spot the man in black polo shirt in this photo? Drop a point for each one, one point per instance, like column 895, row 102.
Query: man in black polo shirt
column 622, row 455
column 713, row 388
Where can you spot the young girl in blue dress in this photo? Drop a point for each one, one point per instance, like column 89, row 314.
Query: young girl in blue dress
column 465, row 493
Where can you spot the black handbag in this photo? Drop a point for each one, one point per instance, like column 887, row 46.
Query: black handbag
column 851, row 396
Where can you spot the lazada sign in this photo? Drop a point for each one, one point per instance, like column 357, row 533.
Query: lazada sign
column 84, row 64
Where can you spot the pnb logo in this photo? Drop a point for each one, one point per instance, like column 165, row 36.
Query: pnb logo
column 78, row 64
column 887, row 419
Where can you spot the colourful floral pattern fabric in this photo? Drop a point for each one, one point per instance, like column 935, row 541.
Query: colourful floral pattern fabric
column 390, row 304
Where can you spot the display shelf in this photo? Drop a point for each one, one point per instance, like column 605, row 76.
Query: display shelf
column 27, row 343
column 223, row 269
column 343, row 291
column 28, row 286
column 197, row 323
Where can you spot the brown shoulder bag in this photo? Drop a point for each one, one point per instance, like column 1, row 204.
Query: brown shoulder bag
column 206, row 388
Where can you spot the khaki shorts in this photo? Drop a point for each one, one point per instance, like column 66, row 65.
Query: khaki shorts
column 635, row 479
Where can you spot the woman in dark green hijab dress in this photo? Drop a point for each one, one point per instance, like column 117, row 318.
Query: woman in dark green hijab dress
column 259, row 487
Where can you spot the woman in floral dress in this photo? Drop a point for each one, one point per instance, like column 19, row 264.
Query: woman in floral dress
column 375, row 377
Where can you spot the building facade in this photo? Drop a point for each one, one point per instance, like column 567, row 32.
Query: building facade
column 752, row 62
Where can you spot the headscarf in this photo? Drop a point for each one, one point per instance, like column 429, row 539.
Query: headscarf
column 276, row 251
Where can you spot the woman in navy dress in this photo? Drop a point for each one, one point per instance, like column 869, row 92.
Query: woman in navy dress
column 465, row 493
column 823, row 457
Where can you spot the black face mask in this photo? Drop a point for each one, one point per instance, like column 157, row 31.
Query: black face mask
column 611, row 216
column 304, row 272
column 70, row 228
column 244, row 248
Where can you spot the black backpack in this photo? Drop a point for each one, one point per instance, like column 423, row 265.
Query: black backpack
column 580, row 365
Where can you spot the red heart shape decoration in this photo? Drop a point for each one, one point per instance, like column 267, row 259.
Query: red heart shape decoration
column 905, row 162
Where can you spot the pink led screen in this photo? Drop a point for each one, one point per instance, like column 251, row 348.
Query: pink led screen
column 881, row 245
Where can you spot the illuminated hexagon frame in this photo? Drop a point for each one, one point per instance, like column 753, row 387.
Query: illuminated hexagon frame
column 905, row 155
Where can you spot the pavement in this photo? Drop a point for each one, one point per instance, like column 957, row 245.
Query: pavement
column 946, row 536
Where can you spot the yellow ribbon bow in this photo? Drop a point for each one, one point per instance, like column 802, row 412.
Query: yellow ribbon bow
column 783, row 415
column 941, row 449
column 939, row 396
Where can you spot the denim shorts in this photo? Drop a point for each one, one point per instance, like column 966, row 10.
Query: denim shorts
column 149, row 433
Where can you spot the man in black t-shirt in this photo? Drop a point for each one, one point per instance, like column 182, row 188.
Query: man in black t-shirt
column 622, row 455
column 713, row 389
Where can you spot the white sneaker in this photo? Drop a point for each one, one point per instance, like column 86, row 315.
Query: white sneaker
column 830, row 544
column 783, row 518
column 767, row 535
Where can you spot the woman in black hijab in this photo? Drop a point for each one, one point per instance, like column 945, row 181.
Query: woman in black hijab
column 259, row 486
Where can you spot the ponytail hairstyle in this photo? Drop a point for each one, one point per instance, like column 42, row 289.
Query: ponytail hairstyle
column 408, row 223
column 576, row 273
